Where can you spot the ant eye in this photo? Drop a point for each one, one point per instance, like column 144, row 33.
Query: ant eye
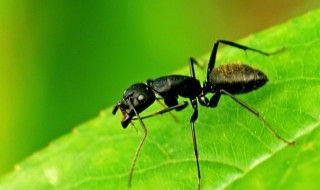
column 140, row 98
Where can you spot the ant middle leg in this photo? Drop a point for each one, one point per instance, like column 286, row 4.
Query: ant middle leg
column 192, row 62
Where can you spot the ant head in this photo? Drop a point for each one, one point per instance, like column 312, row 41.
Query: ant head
column 137, row 98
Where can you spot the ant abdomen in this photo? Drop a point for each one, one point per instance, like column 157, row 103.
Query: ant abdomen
column 237, row 78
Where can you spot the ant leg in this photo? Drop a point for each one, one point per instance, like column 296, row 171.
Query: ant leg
column 256, row 113
column 179, row 106
column 170, row 113
column 195, row 147
column 214, row 100
column 193, row 61
column 191, row 64
column 141, row 142
column 215, row 49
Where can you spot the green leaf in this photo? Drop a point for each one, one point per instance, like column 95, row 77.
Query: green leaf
column 236, row 150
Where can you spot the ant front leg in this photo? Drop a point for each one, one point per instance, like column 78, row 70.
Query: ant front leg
column 176, row 107
column 164, row 106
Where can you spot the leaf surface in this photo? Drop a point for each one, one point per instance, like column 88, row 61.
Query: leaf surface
column 236, row 150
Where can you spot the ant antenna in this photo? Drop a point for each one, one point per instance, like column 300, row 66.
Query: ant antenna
column 141, row 142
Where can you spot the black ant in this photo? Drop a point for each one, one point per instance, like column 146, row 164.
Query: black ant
column 226, row 79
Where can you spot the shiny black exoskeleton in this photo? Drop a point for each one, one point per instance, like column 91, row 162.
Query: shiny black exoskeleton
column 227, row 79
column 172, row 86
column 140, row 95
column 237, row 78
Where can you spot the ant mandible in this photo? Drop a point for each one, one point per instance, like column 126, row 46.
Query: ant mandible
column 226, row 79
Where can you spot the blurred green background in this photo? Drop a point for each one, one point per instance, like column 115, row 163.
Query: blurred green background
column 63, row 61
